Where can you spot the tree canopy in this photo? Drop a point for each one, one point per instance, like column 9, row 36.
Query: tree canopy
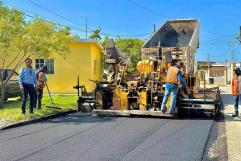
column 131, row 47
column 35, row 38
column 96, row 34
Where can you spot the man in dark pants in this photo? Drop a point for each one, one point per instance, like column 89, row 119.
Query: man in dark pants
column 28, row 84
column 236, row 91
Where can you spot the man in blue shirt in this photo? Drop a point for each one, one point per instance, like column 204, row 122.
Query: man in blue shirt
column 28, row 84
column 174, row 76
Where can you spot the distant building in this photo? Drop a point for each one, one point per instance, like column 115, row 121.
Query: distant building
column 217, row 73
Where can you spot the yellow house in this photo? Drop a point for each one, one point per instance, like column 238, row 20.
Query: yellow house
column 85, row 59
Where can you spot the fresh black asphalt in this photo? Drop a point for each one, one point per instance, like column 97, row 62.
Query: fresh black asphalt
column 78, row 137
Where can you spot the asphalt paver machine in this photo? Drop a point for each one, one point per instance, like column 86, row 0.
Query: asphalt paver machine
column 122, row 93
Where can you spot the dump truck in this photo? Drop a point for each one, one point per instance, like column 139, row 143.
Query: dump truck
column 122, row 93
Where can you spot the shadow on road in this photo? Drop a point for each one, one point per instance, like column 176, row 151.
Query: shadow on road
column 80, row 118
column 228, row 99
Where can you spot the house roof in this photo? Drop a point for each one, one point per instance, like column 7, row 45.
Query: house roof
column 219, row 65
column 90, row 41
column 206, row 62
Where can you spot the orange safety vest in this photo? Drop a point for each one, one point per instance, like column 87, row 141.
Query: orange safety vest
column 41, row 83
column 172, row 75
column 235, row 91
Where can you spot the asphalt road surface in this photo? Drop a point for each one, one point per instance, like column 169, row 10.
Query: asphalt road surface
column 86, row 138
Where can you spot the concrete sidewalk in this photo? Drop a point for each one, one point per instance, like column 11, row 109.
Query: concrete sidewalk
column 232, row 125
column 224, row 142
column 233, row 134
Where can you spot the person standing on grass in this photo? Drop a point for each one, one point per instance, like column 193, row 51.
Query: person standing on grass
column 236, row 91
column 41, row 77
column 28, row 85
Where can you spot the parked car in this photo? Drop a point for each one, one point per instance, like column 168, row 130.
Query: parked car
column 12, row 89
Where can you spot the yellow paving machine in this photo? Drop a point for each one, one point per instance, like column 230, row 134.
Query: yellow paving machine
column 122, row 93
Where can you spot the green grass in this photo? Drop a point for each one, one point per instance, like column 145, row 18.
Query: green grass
column 11, row 113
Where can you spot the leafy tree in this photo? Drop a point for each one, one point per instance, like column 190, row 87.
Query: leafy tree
column 131, row 47
column 96, row 34
column 103, row 42
column 36, row 38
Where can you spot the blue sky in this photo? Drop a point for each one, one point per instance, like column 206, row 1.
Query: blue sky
column 219, row 19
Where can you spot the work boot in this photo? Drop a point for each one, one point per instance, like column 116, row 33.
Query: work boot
column 39, row 105
column 157, row 109
column 163, row 110
column 236, row 114
column 171, row 112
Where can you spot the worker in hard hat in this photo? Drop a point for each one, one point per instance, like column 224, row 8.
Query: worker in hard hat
column 174, row 76
column 235, row 90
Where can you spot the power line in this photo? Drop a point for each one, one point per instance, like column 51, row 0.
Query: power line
column 76, row 28
column 46, row 19
column 52, row 21
column 52, row 12
column 131, row 1
column 107, row 34
column 86, row 29
column 233, row 54
column 168, row 17
column 148, row 9
column 218, row 39
column 67, row 19
column 227, row 50
column 218, row 35
column 216, row 43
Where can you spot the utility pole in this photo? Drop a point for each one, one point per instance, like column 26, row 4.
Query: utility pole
column 233, row 55
column 240, row 34
column 208, row 61
column 233, row 59
column 86, row 28
column 154, row 28
column 225, row 73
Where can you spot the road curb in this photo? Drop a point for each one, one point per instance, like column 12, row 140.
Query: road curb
column 37, row 120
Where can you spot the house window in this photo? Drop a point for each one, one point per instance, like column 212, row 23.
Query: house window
column 48, row 62
column 50, row 65
column 39, row 63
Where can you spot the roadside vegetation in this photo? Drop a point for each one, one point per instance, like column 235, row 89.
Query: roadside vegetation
column 11, row 113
